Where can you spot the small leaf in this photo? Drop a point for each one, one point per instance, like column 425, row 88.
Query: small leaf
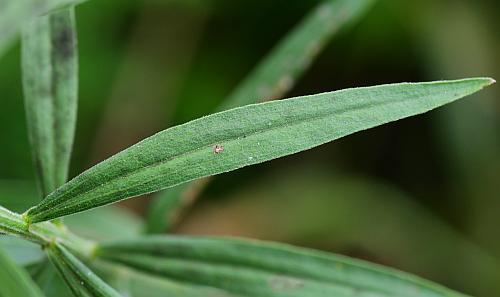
column 271, row 79
column 253, row 268
column 81, row 280
column 15, row 280
column 50, row 81
column 248, row 135
column 14, row 14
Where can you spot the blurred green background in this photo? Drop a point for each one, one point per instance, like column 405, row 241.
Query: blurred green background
column 420, row 194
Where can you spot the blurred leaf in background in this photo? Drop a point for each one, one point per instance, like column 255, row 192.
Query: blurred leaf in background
column 15, row 280
column 355, row 215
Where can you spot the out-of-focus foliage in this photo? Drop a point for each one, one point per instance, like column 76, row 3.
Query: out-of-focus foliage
column 257, row 268
column 15, row 280
column 313, row 207
column 146, row 65
column 14, row 15
column 50, row 84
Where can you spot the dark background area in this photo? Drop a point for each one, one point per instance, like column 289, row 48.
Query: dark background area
column 421, row 194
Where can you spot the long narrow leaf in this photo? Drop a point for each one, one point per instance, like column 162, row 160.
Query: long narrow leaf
column 252, row 268
column 14, row 15
column 15, row 281
column 50, row 81
column 277, row 73
column 81, row 280
column 271, row 79
column 311, row 206
column 244, row 136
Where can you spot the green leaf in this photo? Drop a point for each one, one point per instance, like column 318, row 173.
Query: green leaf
column 132, row 283
column 81, row 280
column 253, row 268
column 15, row 281
column 245, row 136
column 271, row 79
column 311, row 206
column 279, row 70
column 14, row 14
column 50, row 81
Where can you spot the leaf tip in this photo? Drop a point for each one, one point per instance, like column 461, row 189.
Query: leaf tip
column 483, row 82
column 487, row 81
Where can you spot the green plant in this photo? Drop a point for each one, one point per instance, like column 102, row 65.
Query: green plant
column 221, row 142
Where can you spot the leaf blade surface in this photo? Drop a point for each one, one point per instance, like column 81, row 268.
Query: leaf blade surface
column 245, row 136
column 254, row 268
column 50, row 83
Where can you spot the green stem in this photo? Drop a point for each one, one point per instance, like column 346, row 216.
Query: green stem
column 44, row 233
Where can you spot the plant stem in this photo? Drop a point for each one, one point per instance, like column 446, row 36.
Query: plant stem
column 12, row 223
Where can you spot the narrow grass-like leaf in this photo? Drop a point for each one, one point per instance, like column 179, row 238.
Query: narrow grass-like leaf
column 14, row 15
column 50, row 81
column 14, row 280
column 81, row 280
column 309, row 205
column 272, row 78
column 252, row 268
column 279, row 70
column 244, row 136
